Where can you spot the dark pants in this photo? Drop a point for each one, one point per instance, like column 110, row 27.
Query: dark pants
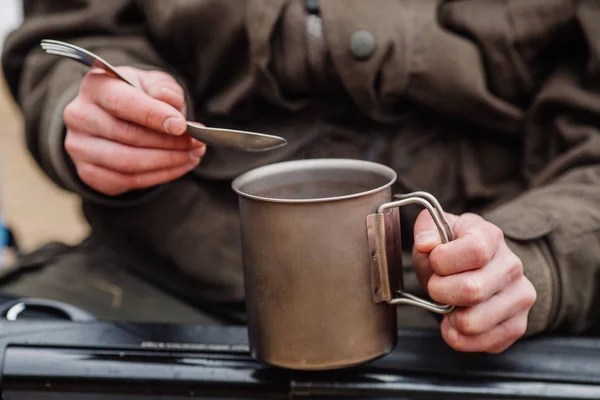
column 93, row 278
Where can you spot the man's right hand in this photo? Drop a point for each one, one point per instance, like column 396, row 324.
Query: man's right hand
column 121, row 138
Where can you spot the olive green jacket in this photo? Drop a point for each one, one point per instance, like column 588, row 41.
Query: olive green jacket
column 493, row 106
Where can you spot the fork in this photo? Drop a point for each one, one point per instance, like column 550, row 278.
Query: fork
column 240, row 140
column 82, row 55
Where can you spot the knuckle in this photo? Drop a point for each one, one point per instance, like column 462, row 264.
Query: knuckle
column 480, row 250
column 71, row 145
column 529, row 296
column 150, row 116
column 83, row 171
column 71, row 112
column 497, row 233
column 473, row 291
column 88, row 175
column 514, row 267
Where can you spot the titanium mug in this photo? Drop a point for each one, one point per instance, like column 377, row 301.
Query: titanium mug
column 322, row 261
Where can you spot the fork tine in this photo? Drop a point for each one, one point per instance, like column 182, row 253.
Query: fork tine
column 57, row 47
column 63, row 49
column 57, row 42
column 50, row 42
column 47, row 44
column 63, row 54
column 60, row 50
column 68, row 48
column 82, row 55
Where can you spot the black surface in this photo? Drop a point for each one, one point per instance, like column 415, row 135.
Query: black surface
column 95, row 360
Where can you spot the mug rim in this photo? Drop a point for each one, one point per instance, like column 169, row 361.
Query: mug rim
column 283, row 166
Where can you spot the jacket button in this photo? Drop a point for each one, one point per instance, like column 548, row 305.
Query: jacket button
column 362, row 44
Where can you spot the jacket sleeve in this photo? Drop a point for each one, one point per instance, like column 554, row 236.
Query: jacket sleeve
column 555, row 226
column 44, row 84
column 528, row 67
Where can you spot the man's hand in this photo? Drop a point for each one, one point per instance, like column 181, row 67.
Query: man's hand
column 479, row 274
column 122, row 138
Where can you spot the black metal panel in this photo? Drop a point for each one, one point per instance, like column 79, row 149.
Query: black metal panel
column 94, row 360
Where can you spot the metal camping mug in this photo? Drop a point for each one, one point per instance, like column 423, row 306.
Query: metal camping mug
column 322, row 261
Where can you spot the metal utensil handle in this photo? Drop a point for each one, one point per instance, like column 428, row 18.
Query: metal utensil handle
column 101, row 64
column 437, row 213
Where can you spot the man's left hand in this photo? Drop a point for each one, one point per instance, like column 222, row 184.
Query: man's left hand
column 481, row 276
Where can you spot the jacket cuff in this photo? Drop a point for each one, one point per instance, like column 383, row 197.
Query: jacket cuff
column 529, row 241
column 51, row 141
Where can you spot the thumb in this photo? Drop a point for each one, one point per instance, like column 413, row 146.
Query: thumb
column 426, row 237
column 426, row 233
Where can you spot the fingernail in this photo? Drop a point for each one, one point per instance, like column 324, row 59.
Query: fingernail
column 426, row 237
column 175, row 125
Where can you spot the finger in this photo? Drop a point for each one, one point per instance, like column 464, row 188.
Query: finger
column 91, row 119
column 500, row 337
column 476, row 243
column 163, row 87
column 422, row 267
column 483, row 317
column 476, row 286
column 426, row 233
column 126, row 159
column 114, row 183
column 157, row 84
column 132, row 104
column 170, row 97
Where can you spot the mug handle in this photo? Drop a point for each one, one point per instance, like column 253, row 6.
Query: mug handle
column 383, row 232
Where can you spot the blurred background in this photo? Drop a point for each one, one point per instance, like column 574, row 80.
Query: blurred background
column 32, row 205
